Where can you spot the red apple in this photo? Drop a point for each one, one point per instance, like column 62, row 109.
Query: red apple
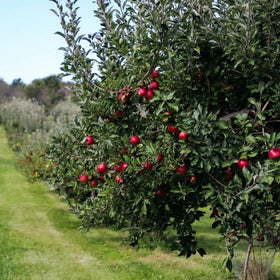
column 118, row 168
column 229, row 175
column 150, row 94
column 243, row 226
column 183, row 135
column 124, row 166
column 118, row 179
column 160, row 157
column 142, row 92
column 274, row 153
column 101, row 179
column 243, row 163
column 155, row 74
column 147, row 165
column 161, row 193
column 83, row 178
column 119, row 113
column 93, row 183
column 214, row 213
column 102, row 167
column 172, row 129
column 89, row 140
column 154, row 85
column 123, row 151
column 182, row 169
column 193, row 179
column 135, row 140
column 123, row 97
column 260, row 238
column 275, row 240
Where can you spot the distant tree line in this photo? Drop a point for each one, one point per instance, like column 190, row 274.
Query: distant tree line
column 47, row 91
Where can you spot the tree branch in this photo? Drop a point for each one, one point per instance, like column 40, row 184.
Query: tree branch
column 216, row 180
column 233, row 115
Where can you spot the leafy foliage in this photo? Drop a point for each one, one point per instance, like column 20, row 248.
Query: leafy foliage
column 218, row 77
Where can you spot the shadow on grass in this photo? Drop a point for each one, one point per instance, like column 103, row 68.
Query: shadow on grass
column 65, row 221
column 207, row 238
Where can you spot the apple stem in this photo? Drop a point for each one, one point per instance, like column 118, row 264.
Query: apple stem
column 246, row 263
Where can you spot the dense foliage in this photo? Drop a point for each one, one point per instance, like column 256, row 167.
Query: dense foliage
column 207, row 69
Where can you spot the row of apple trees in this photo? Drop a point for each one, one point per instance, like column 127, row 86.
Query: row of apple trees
column 183, row 113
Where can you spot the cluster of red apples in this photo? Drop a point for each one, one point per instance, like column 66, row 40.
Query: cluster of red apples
column 122, row 166
column 182, row 169
column 148, row 93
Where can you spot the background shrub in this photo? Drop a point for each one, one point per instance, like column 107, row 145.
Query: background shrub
column 21, row 115
column 30, row 130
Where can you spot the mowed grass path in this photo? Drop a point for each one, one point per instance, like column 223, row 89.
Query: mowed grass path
column 39, row 240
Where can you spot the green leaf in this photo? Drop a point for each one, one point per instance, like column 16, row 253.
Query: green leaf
column 227, row 163
column 150, row 148
column 60, row 34
column 245, row 196
column 207, row 166
column 247, row 175
column 169, row 96
column 174, row 105
column 269, row 179
column 112, row 213
column 250, row 139
column 252, row 154
column 144, row 209
column 272, row 138
column 222, row 124
column 197, row 49
column 160, row 108
column 252, row 100
column 261, row 86
column 277, row 137
column 54, row 11
column 238, row 62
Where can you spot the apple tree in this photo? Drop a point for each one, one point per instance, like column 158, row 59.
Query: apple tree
column 182, row 113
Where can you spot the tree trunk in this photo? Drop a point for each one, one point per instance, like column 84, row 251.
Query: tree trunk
column 246, row 263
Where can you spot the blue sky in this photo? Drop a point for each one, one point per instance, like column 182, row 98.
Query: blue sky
column 29, row 47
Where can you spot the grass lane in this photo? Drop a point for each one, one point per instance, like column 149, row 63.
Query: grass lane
column 39, row 240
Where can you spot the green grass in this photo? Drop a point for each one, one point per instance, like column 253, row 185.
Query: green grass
column 39, row 240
